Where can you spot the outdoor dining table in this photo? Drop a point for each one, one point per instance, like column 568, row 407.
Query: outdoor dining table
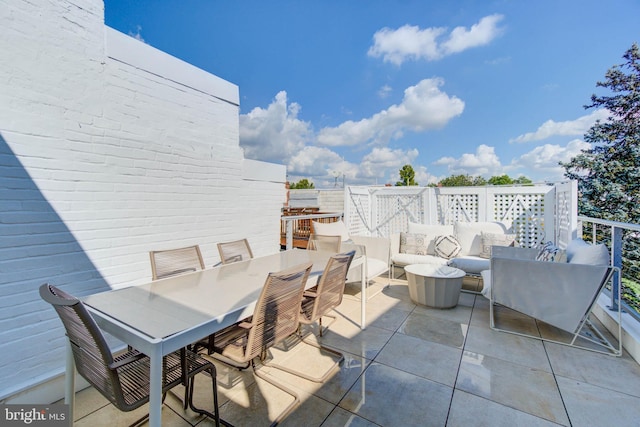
column 163, row 316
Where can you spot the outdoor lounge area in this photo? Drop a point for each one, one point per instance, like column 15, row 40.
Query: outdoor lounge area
column 414, row 365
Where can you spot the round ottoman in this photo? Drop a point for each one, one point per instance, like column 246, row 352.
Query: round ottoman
column 435, row 286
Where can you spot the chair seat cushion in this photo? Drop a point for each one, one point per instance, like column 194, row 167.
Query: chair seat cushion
column 486, row 283
column 470, row 264
column 406, row 259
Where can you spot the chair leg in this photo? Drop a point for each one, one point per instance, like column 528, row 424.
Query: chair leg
column 216, row 415
column 288, row 409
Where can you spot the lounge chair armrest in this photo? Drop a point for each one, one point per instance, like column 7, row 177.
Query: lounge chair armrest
column 133, row 357
column 245, row 325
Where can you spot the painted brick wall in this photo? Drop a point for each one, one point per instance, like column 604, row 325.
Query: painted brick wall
column 109, row 148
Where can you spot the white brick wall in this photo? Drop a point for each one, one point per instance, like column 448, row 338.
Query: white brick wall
column 108, row 148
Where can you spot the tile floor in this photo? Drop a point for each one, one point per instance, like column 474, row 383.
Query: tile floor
column 417, row 366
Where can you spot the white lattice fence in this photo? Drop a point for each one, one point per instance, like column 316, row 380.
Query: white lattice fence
column 534, row 213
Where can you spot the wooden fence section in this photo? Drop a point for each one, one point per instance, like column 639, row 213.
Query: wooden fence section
column 297, row 221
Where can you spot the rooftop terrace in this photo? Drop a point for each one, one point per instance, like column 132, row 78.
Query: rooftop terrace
column 419, row 366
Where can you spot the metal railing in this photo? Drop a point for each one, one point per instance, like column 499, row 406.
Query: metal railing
column 623, row 241
column 296, row 228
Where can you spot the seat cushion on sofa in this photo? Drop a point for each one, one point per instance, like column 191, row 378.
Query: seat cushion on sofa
column 375, row 267
column 486, row 283
column 469, row 235
column 406, row 259
column 470, row 264
column 432, row 231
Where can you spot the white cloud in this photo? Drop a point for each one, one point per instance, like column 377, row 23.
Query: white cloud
column 424, row 107
column 410, row 42
column 480, row 34
column 384, row 91
column 274, row 134
column 385, row 162
column 543, row 161
column 483, row 162
column 551, row 128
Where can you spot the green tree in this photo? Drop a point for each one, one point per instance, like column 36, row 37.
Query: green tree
column 457, row 181
column 303, row 184
column 407, row 176
column 500, row 180
column 608, row 173
column 522, row 180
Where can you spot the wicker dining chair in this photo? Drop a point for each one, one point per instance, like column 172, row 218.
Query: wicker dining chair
column 317, row 302
column 237, row 250
column 123, row 379
column 319, row 242
column 172, row 262
column 275, row 318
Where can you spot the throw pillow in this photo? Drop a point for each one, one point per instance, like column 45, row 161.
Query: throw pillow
column 495, row 239
column 413, row 243
column 447, row 246
column 550, row 252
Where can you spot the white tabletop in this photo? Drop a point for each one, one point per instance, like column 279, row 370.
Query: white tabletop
column 228, row 293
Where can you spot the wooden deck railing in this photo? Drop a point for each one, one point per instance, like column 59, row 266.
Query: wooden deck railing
column 295, row 225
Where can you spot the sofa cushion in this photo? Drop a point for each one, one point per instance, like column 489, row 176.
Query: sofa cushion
column 446, row 246
column 591, row 255
column 432, row 231
column 495, row 239
column 406, row 259
column 337, row 228
column 470, row 264
column 486, row 283
column 573, row 247
column 411, row 243
column 469, row 235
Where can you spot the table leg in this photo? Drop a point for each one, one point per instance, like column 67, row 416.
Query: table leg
column 70, row 381
column 155, row 388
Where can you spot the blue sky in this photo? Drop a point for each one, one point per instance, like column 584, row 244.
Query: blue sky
column 358, row 88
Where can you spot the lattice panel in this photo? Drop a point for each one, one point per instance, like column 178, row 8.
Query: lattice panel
column 457, row 207
column 359, row 214
column 525, row 213
column 563, row 218
column 395, row 211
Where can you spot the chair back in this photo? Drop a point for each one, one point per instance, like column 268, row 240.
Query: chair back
column 330, row 288
column 90, row 350
column 238, row 250
column 319, row 242
column 172, row 262
column 277, row 311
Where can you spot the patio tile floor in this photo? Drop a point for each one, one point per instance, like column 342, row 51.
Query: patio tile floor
column 416, row 366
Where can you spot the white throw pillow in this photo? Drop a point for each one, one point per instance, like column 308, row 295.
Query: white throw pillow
column 447, row 246
column 591, row 255
column 337, row 228
column 432, row 231
column 495, row 239
column 550, row 252
column 414, row 244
